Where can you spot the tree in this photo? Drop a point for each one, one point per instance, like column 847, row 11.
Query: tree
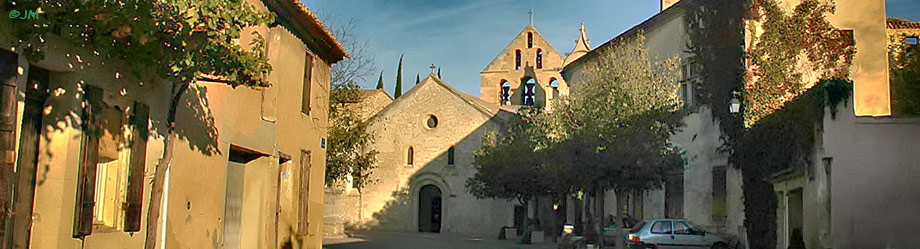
column 380, row 81
column 398, row 91
column 904, row 68
column 509, row 166
column 349, row 137
column 417, row 79
column 615, row 124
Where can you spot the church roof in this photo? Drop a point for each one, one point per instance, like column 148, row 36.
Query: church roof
column 482, row 106
column 582, row 47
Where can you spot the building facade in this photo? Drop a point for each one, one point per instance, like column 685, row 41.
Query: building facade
column 247, row 168
column 426, row 141
column 707, row 191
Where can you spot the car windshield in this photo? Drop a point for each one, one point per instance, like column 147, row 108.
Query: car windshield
column 637, row 228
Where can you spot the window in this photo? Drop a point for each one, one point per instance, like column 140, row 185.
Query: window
column 306, row 164
column 410, row 156
column 112, row 162
column 528, row 98
column 539, row 58
column 911, row 40
column 681, row 228
column 688, row 79
column 450, row 156
column 661, row 227
column 432, row 121
column 554, row 83
column 506, row 93
column 517, row 59
column 529, row 40
column 111, row 175
column 307, row 83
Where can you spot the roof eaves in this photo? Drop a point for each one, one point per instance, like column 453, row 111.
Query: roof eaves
column 304, row 24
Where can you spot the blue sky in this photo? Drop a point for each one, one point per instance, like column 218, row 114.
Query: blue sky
column 462, row 37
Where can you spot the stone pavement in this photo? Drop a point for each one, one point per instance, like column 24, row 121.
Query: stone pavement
column 407, row 240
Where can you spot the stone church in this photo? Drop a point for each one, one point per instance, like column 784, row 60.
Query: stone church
column 426, row 141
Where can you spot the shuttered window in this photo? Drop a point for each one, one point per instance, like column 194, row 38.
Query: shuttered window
column 303, row 223
column 135, row 194
column 86, row 178
column 307, row 83
column 113, row 160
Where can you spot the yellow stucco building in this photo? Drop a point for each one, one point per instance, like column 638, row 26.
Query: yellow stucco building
column 248, row 163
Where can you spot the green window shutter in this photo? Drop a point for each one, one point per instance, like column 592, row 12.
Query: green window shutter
column 86, row 178
column 135, row 194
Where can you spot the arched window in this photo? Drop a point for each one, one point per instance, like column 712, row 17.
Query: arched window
column 506, row 93
column 517, row 59
column 529, row 40
column 410, row 159
column 450, row 156
column 554, row 83
column 539, row 58
column 528, row 97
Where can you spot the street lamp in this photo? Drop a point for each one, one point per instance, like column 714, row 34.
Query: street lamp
column 735, row 106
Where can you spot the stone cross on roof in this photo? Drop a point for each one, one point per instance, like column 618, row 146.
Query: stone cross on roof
column 432, row 68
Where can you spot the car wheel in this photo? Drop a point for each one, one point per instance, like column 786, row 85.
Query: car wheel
column 651, row 247
column 719, row 246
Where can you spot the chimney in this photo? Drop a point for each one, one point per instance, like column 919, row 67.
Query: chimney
column 665, row 4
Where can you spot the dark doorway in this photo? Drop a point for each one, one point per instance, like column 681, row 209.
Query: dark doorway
column 519, row 218
column 674, row 195
column 429, row 209
column 24, row 193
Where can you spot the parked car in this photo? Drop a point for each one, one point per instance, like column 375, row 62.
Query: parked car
column 673, row 234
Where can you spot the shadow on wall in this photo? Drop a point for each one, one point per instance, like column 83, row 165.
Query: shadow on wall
column 401, row 211
column 395, row 212
column 61, row 110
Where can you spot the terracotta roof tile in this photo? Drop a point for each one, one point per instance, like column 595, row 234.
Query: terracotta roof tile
column 898, row 23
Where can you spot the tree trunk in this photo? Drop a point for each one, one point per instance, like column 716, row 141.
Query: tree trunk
column 617, row 217
column 578, row 206
column 599, row 203
column 159, row 174
column 525, row 238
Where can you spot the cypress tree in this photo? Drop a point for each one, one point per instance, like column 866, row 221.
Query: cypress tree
column 380, row 81
column 398, row 91
column 439, row 72
column 417, row 79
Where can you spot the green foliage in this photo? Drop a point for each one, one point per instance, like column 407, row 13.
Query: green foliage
column 790, row 46
column 179, row 40
column 904, row 68
column 719, row 52
column 509, row 165
column 348, row 153
column 621, row 113
column 798, row 65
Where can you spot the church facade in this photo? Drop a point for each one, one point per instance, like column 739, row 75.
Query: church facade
column 426, row 141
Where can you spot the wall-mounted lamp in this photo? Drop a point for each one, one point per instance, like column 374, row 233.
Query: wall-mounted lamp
column 734, row 106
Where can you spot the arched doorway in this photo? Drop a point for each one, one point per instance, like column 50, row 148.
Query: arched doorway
column 429, row 209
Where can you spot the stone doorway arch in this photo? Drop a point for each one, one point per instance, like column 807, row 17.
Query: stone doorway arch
column 430, row 209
